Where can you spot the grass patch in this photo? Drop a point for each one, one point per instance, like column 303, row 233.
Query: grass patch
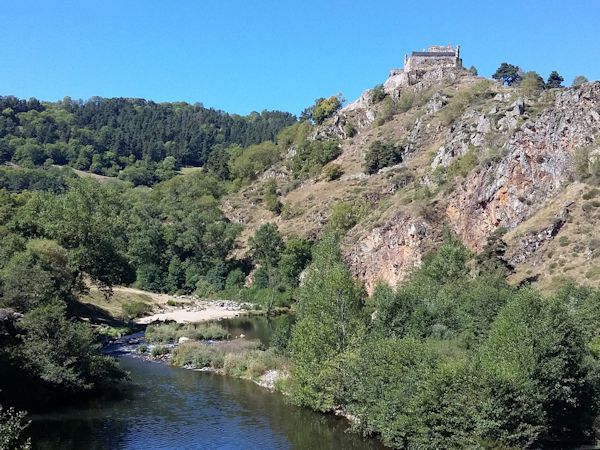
column 159, row 351
column 252, row 364
column 171, row 332
column 197, row 356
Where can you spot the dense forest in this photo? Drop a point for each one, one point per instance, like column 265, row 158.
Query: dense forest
column 138, row 140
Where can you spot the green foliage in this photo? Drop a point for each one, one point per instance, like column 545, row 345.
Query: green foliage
column 13, row 424
column 536, row 354
column 462, row 166
column 377, row 94
column 343, row 217
column 382, row 379
column 133, row 310
column 141, row 141
column 254, row 160
column 266, row 245
column 350, row 130
column 579, row 80
column 531, row 84
column 473, row 70
column 252, row 364
column 382, row 154
column 270, row 198
column 507, row 74
column 388, row 108
column 159, row 350
column 329, row 320
column 554, row 80
column 332, row 172
column 63, row 353
column 311, row 156
column 294, row 257
column 463, row 99
column 325, row 108
column 197, row 355
column 171, row 332
column 36, row 275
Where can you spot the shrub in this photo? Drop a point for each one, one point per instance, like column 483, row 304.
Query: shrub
column 332, row 172
column 133, row 310
column 591, row 194
column 312, row 155
column 377, row 94
column 382, row 154
column 386, row 111
column 350, row 130
column 325, row 108
column 171, row 332
column 159, row 350
column 462, row 166
column 197, row 355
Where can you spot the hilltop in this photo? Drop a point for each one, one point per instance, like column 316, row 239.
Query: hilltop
column 507, row 169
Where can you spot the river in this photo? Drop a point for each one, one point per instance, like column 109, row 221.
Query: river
column 171, row 408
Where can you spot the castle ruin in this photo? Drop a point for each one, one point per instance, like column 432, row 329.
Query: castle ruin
column 434, row 57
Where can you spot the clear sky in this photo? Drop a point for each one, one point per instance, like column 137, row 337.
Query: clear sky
column 245, row 55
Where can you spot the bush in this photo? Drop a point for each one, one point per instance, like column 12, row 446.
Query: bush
column 133, row 310
column 312, row 155
column 332, row 172
column 325, row 108
column 377, row 94
column 253, row 363
column 386, row 111
column 159, row 351
column 171, row 332
column 350, row 130
column 382, row 154
column 197, row 355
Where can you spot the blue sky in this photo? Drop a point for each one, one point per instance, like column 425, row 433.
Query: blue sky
column 245, row 55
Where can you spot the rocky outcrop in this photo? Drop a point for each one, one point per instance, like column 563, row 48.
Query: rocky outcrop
column 533, row 164
column 390, row 252
column 538, row 163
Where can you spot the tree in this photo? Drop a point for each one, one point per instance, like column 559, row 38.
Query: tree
column 579, row 80
column 473, row 70
column 266, row 245
column 294, row 258
column 325, row 108
column 532, row 83
column 62, row 352
column 554, row 80
column 329, row 322
column 538, row 373
column 507, row 74
column 382, row 154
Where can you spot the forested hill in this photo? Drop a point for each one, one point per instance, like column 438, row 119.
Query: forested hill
column 107, row 135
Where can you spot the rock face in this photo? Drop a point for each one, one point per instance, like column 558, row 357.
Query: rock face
column 532, row 162
column 388, row 253
column 538, row 162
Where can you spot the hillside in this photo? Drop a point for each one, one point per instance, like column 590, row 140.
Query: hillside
column 477, row 157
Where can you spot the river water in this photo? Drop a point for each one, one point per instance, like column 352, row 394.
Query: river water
column 171, row 408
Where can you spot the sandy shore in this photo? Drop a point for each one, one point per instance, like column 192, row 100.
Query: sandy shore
column 212, row 312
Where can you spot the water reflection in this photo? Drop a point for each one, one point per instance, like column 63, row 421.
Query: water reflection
column 180, row 409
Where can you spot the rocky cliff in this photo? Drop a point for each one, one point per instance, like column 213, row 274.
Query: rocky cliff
column 479, row 157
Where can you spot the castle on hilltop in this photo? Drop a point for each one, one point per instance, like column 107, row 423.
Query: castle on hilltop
column 434, row 57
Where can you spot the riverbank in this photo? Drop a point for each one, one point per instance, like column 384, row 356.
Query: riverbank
column 196, row 311
column 208, row 347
